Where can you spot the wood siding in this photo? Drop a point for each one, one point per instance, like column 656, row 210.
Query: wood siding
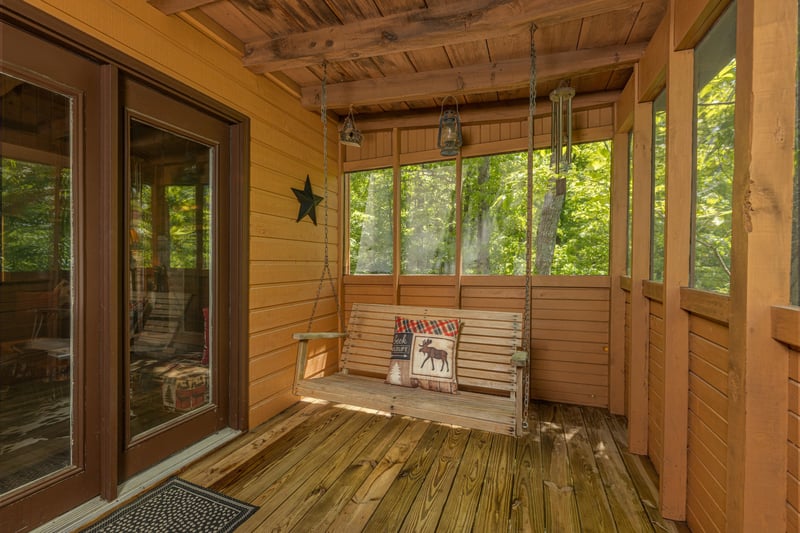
column 708, row 425
column 655, row 396
column 627, row 290
column 793, row 445
column 418, row 144
column 286, row 145
column 569, row 315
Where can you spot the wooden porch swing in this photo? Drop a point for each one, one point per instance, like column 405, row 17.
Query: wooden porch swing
column 492, row 372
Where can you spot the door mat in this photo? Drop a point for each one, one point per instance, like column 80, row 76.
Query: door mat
column 176, row 506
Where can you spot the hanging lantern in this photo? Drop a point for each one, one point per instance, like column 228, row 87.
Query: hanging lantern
column 561, row 129
column 350, row 135
column 449, row 140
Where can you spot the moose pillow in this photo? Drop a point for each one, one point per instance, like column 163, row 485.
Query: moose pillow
column 424, row 354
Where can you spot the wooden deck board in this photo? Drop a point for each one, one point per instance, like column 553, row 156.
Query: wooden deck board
column 324, row 467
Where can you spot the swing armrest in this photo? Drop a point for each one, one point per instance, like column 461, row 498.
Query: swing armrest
column 321, row 335
column 302, row 351
column 519, row 359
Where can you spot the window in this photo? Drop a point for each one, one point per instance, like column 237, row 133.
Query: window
column 371, row 218
column 570, row 224
column 428, row 218
column 494, row 214
column 658, row 204
column 715, row 92
column 795, row 265
column 629, row 255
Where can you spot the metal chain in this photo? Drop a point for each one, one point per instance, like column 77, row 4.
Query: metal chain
column 526, row 333
column 326, row 269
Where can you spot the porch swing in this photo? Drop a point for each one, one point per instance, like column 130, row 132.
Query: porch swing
column 491, row 370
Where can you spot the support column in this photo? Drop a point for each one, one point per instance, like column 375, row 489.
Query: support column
column 677, row 239
column 640, row 271
column 766, row 41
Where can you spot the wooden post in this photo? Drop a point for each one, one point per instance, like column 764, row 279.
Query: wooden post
column 616, row 269
column 766, row 40
column 640, row 271
column 396, row 215
column 677, row 239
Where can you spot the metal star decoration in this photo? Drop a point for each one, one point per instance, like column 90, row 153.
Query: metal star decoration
column 308, row 202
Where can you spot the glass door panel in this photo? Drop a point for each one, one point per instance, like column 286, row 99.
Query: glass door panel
column 36, row 280
column 170, row 198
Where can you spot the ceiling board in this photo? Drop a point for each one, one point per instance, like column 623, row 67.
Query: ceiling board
column 440, row 38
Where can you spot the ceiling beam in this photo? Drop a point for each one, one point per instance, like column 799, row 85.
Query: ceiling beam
column 503, row 76
column 483, row 113
column 170, row 7
column 441, row 25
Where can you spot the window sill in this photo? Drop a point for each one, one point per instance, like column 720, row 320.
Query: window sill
column 786, row 325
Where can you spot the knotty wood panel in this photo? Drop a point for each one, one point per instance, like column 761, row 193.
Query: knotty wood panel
column 708, row 425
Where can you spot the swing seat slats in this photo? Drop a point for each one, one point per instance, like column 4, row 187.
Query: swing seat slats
column 490, row 368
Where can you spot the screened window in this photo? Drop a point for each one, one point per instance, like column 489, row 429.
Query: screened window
column 581, row 246
column 371, row 197
column 715, row 92
column 494, row 214
column 629, row 255
column 795, row 266
column 658, row 203
column 428, row 218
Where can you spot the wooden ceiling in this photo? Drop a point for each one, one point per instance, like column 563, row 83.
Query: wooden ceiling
column 402, row 57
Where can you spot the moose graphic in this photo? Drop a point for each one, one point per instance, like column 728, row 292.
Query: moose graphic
column 432, row 353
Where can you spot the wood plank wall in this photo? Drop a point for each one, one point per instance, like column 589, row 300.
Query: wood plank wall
column 706, row 495
column 285, row 146
column 793, row 445
column 569, row 344
column 569, row 315
column 655, row 397
column 626, row 288
column 418, row 144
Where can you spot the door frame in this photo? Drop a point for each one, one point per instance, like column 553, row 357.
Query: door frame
column 113, row 65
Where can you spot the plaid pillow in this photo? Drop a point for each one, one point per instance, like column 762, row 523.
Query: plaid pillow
column 424, row 354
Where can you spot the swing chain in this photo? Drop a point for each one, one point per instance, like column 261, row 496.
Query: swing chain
column 526, row 335
column 326, row 269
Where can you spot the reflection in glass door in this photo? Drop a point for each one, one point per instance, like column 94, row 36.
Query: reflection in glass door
column 36, row 280
column 170, row 363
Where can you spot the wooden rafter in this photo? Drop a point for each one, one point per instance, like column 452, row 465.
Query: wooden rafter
column 506, row 75
column 444, row 25
column 517, row 110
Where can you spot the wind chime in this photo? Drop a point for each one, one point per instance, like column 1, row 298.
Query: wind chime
column 561, row 129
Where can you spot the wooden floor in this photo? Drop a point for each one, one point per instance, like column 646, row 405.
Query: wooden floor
column 323, row 467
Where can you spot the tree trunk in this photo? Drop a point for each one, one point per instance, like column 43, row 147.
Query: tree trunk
column 482, row 237
column 547, row 231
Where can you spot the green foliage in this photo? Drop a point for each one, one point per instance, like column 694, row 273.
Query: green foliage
column 428, row 218
column 184, row 226
column 714, row 180
column 659, row 213
column 582, row 244
column 371, row 221
column 36, row 236
column 494, row 215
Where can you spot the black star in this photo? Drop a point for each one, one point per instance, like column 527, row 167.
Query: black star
column 308, row 202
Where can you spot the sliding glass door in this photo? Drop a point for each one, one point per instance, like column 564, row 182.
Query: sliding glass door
column 175, row 368
column 48, row 152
